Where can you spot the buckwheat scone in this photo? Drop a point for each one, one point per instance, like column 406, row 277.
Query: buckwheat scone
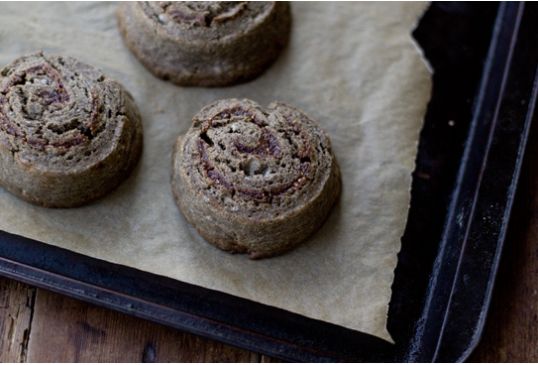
column 205, row 43
column 68, row 133
column 254, row 180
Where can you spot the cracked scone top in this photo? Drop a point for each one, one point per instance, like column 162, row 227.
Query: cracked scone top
column 205, row 43
column 68, row 133
column 254, row 180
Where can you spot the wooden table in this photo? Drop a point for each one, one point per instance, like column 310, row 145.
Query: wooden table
column 40, row 326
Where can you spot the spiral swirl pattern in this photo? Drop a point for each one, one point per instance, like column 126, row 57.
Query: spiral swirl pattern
column 259, row 166
column 68, row 133
column 189, row 14
column 205, row 43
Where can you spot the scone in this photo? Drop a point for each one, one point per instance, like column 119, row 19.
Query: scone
column 68, row 133
column 205, row 43
column 254, row 180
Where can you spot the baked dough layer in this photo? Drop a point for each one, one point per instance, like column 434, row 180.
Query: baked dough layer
column 205, row 43
column 68, row 133
column 254, row 180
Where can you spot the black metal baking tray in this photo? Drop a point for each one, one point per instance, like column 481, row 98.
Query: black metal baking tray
column 484, row 58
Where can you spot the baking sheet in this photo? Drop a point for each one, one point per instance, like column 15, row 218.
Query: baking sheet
column 352, row 66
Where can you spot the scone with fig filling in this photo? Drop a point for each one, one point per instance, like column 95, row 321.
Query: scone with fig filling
column 254, row 180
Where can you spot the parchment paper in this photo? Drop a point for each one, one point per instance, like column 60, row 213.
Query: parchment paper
column 351, row 66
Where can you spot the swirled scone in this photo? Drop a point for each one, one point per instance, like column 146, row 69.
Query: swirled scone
column 254, row 180
column 208, row 43
column 68, row 133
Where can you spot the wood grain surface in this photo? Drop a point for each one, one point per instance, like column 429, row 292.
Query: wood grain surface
column 39, row 326
column 16, row 309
